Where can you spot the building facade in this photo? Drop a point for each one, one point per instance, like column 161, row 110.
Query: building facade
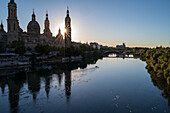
column 123, row 46
column 32, row 37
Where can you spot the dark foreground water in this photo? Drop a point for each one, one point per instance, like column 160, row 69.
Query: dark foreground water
column 111, row 85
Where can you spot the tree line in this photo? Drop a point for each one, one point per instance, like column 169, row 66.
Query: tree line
column 158, row 66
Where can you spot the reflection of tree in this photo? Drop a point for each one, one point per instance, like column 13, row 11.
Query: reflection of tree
column 160, row 83
column 157, row 60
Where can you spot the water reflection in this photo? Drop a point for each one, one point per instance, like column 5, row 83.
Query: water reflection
column 123, row 56
column 68, row 84
column 160, row 84
column 111, row 82
column 14, row 85
column 47, row 85
column 34, row 80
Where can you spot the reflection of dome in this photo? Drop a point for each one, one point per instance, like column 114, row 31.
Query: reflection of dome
column 33, row 26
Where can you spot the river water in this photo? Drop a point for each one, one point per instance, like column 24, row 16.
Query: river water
column 108, row 85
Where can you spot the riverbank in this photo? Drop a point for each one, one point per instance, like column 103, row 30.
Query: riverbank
column 158, row 66
column 111, row 85
column 12, row 63
column 158, row 62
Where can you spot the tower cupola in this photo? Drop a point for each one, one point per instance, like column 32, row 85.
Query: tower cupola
column 47, row 30
column 1, row 26
column 33, row 16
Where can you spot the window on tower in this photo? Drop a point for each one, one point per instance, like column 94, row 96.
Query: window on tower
column 11, row 13
column 9, row 27
column 14, row 27
column 14, row 12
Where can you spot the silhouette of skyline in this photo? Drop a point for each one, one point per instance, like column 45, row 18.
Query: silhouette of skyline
column 109, row 22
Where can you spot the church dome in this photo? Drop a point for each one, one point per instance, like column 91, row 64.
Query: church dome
column 33, row 26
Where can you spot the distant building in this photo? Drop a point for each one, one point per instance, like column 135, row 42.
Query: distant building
column 95, row 45
column 104, row 47
column 121, row 46
column 33, row 36
column 76, row 44
column 98, row 47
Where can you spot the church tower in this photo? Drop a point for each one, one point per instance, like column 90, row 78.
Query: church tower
column 59, row 35
column 12, row 21
column 33, row 27
column 68, row 30
column 47, row 30
column 1, row 26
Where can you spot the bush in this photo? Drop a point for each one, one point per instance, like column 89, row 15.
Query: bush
column 168, row 80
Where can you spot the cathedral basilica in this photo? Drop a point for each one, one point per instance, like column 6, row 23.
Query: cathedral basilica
column 33, row 36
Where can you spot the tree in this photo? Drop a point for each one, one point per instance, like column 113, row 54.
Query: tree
column 19, row 47
column 43, row 49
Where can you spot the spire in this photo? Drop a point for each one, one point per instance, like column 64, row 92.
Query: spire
column 59, row 31
column 33, row 10
column 46, row 13
column 47, row 30
column 47, row 22
column 67, row 11
column 1, row 26
column 11, row 1
column 33, row 15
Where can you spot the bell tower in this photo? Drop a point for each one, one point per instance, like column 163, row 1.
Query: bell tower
column 68, row 30
column 12, row 21
column 47, row 30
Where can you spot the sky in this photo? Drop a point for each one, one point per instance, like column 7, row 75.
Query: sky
column 141, row 23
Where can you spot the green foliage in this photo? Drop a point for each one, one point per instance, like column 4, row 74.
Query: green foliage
column 29, row 49
column 168, row 80
column 160, row 74
column 158, row 66
column 19, row 47
column 43, row 49
column 166, row 73
column 66, row 52
column 158, row 60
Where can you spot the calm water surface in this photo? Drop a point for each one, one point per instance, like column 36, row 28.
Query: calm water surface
column 111, row 85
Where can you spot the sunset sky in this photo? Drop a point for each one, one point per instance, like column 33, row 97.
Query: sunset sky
column 109, row 22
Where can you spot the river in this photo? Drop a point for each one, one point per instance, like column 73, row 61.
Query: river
column 108, row 85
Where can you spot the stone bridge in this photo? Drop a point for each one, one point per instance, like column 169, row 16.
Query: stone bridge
column 121, row 51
